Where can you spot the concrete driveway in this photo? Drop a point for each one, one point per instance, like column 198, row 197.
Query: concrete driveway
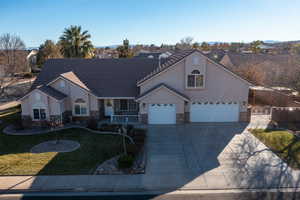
column 212, row 156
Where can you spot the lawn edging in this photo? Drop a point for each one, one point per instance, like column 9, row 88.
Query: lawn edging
column 8, row 130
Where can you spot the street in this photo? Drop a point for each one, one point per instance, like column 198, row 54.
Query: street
column 187, row 195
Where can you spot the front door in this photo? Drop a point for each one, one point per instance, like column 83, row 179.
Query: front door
column 108, row 107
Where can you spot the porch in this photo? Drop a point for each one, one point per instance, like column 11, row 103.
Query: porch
column 119, row 111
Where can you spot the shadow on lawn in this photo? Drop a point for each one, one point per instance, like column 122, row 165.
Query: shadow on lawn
column 178, row 155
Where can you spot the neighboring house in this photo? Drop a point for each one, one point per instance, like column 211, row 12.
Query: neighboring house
column 216, row 54
column 274, row 67
column 187, row 87
column 155, row 55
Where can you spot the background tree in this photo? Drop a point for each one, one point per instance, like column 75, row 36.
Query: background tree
column 48, row 50
column 235, row 47
column 196, row 45
column 185, row 43
column 253, row 74
column 125, row 50
column 205, row 46
column 12, row 61
column 254, row 46
column 76, row 43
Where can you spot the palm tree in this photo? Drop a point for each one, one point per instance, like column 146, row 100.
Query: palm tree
column 76, row 44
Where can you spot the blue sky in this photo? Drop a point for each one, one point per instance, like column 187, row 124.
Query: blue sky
column 152, row 21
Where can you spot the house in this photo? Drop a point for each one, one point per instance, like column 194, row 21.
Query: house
column 274, row 68
column 187, row 87
column 155, row 55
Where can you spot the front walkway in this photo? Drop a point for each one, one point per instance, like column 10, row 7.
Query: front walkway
column 194, row 156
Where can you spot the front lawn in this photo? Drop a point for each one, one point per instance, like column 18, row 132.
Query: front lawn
column 15, row 158
column 285, row 144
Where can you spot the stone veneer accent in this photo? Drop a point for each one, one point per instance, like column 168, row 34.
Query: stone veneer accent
column 66, row 116
column 245, row 116
column 144, row 118
column 95, row 114
column 180, row 118
column 187, row 117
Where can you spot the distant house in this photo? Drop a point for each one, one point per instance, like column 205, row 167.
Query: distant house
column 274, row 67
column 155, row 55
column 187, row 87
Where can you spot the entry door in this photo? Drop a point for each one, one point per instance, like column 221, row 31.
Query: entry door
column 108, row 107
column 214, row 113
column 162, row 114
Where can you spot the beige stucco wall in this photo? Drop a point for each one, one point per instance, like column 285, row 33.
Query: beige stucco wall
column 74, row 92
column 30, row 102
column 162, row 96
column 220, row 85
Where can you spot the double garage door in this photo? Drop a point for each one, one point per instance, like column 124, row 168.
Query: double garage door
column 166, row 113
column 214, row 113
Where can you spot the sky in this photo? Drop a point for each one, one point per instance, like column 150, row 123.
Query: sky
column 152, row 21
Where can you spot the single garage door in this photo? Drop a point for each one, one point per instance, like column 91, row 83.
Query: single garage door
column 162, row 114
column 214, row 112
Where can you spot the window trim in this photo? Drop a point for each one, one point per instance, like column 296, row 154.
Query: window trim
column 128, row 105
column 39, row 113
column 80, row 107
column 195, row 80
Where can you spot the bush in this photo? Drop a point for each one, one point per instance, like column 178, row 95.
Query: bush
column 45, row 124
column 18, row 123
column 92, row 124
column 129, row 129
column 125, row 161
column 110, row 127
column 132, row 149
column 27, row 122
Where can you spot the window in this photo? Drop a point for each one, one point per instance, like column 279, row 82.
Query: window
column 128, row 105
column 195, row 79
column 39, row 114
column 80, row 107
column 123, row 104
column 62, row 84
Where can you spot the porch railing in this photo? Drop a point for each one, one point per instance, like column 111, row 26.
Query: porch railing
column 124, row 118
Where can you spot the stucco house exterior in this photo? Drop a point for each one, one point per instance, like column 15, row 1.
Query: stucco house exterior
column 186, row 87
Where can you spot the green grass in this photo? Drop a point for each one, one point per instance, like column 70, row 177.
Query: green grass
column 283, row 143
column 15, row 158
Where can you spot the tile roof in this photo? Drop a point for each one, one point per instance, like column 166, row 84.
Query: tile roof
column 103, row 77
column 52, row 92
column 166, row 86
column 174, row 58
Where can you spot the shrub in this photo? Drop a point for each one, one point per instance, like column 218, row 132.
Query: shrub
column 18, row 123
column 92, row 124
column 110, row 127
column 129, row 129
column 45, row 124
column 132, row 149
column 125, row 161
column 27, row 122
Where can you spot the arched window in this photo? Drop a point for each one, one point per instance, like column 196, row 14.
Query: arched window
column 80, row 107
column 195, row 79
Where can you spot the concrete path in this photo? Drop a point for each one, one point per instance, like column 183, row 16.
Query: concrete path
column 185, row 157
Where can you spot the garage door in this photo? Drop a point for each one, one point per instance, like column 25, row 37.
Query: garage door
column 214, row 112
column 162, row 114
